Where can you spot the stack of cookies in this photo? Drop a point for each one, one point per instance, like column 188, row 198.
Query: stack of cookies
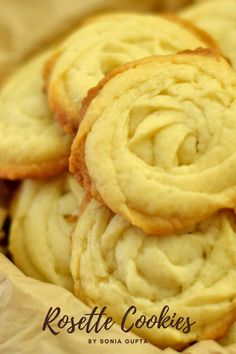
column 141, row 110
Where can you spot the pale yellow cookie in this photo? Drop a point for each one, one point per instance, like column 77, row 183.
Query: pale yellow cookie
column 44, row 214
column 32, row 145
column 230, row 337
column 105, row 42
column 157, row 140
column 117, row 265
column 218, row 18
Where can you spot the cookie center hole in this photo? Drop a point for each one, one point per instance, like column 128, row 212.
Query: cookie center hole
column 188, row 150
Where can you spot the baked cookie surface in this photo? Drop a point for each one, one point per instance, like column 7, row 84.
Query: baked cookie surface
column 116, row 265
column 104, row 43
column 32, row 145
column 218, row 18
column 230, row 337
column 43, row 216
column 157, row 141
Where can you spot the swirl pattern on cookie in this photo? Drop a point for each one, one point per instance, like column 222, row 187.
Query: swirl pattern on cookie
column 117, row 265
column 104, row 43
column 157, row 141
column 31, row 143
column 218, row 18
column 44, row 214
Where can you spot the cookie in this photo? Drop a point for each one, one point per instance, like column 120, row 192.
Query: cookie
column 218, row 18
column 43, row 216
column 184, row 283
column 157, row 141
column 102, row 44
column 32, row 145
column 230, row 337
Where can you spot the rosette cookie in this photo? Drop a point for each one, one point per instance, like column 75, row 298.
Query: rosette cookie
column 44, row 214
column 31, row 143
column 218, row 18
column 230, row 338
column 178, row 289
column 157, row 140
column 105, row 42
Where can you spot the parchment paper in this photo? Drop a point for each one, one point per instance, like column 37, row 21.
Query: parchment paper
column 24, row 303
